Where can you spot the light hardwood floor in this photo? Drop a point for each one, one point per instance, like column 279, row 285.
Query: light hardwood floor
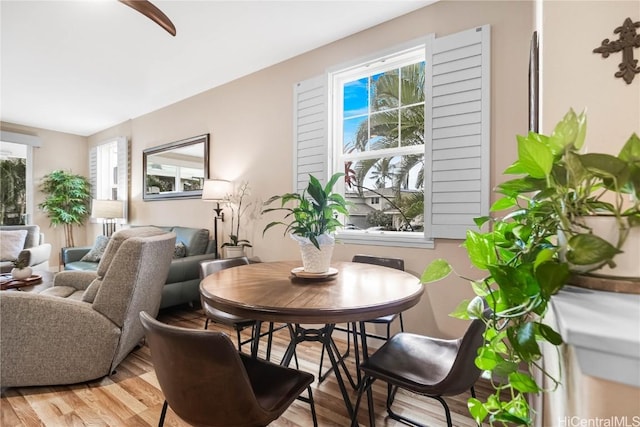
column 132, row 397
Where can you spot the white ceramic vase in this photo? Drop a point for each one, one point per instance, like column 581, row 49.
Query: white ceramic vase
column 21, row 273
column 627, row 262
column 316, row 260
column 233, row 251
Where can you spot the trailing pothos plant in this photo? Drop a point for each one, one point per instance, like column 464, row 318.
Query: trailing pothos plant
column 314, row 210
column 523, row 263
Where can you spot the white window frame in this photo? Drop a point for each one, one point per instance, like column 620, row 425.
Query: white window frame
column 101, row 175
column 29, row 141
column 394, row 58
column 457, row 136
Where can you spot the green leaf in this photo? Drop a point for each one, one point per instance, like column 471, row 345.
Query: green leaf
column 565, row 132
column 523, row 339
column 523, row 382
column 549, row 334
column 502, row 204
column 515, row 187
column 477, row 410
column 481, row 220
column 512, row 283
column 475, row 309
column 436, row 270
column 588, row 249
column 546, row 254
column 460, row 312
column 514, row 169
column 503, row 369
column 487, row 359
column 480, row 249
column 551, row 276
column 535, row 158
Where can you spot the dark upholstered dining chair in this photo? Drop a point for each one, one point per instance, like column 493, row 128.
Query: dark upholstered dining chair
column 351, row 330
column 207, row 382
column 218, row 316
column 427, row 366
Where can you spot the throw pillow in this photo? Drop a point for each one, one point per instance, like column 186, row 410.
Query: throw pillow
column 180, row 250
column 97, row 250
column 11, row 244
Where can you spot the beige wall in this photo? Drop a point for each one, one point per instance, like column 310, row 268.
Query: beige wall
column 250, row 122
column 59, row 151
column 576, row 77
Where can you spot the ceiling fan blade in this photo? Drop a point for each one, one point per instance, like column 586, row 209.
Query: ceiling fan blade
column 150, row 11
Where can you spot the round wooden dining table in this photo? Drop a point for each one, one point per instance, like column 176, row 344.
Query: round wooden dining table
column 270, row 292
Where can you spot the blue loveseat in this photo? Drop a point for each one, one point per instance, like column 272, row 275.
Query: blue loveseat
column 182, row 285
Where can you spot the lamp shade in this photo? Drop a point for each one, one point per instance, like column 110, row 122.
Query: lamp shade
column 216, row 190
column 108, row 209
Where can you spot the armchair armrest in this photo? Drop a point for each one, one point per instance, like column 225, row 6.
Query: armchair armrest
column 37, row 254
column 74, row 254
column 79, row 280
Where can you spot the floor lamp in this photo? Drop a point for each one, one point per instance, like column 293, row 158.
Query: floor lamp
column 216, row 190
column 108, row 211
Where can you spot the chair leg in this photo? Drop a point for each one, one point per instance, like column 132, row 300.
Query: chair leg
column 206, row 323
column 473, row 392
column 269, row 341
column 165, row 405
column 365, row 385
column 239, row 339
column 406, row 420
column 314, row 417
column 401, row 323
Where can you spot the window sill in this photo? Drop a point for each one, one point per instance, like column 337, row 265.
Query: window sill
column 384, row 238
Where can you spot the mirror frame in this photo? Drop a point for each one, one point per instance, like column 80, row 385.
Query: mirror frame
column 194, row 194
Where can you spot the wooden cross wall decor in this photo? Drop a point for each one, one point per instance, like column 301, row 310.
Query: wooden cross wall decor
column 629, row 40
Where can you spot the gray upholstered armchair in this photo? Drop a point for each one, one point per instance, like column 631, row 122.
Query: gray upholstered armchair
column 88, row 322
column 35, row 252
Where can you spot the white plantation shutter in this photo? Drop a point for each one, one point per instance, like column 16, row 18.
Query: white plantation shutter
column 122, row 173
column 310, row 132
column 93, row 171
column 457, row 132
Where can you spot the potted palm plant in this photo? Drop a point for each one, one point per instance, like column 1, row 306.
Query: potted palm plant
column 312, row 219
column 524, row 261
column 67, row 201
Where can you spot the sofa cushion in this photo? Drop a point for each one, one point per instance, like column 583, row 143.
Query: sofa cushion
column 97, row 250
column 81, row 266
column 33, row 233
column 195, row 239
column 11, row 243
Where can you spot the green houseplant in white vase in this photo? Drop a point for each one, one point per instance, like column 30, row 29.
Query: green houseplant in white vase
column 21, row 269
column 312, row 220
column 525, row 262
column 239, row 207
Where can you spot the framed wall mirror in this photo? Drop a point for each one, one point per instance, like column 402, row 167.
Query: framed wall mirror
column 176, row 170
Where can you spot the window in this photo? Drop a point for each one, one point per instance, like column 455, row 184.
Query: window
column 410, row 129
column 16, row 177
column 378, row 138
column 109, row 171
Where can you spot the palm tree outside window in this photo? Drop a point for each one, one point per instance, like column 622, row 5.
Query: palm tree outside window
column 382, row 138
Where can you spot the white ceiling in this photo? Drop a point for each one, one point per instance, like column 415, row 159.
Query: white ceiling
column 83, row 66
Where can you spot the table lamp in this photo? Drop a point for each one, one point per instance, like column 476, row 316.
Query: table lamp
column 109, row 211
column 216, row 190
